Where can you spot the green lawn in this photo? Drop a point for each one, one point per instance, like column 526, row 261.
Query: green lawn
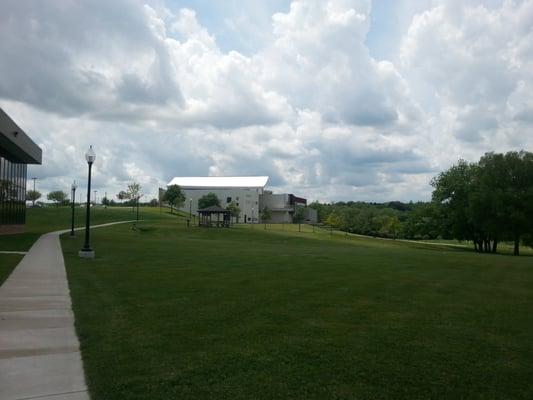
column 166, row 312
column 48, row 219
column 7, row 263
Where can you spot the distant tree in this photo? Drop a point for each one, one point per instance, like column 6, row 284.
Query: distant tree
column 388, row 226
column 33, row 196
column 322, row 210
column 334, row 220
column 208, row 200
column 58, row 197
column 122, row 195
column 174, row 196
column 266, row 215
column 424, row 222
column 298, row 217
column 234, row 210
column 134, row 193
column 154, row 203
column 105, row 201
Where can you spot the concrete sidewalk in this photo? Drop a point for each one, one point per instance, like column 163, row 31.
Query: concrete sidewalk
column 39, row 349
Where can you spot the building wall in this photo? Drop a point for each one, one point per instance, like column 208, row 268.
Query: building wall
column 275, row 201
column 279, row 205
column 245, row 198
column 12, row 193
column 280, row 217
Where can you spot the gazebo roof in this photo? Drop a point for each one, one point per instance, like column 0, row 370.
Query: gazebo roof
column 213, row 210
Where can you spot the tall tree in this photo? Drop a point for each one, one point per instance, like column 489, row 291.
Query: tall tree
column 57, row 196
column 174, row 196
column 488, row 201
column 266, row 215
column 519, row 196
column 122, row 195
column 134, row 193
column 451, row 192
column 208, row 200
column 33, row 196
column 334, row 220
column 299, row 216
column 234, row 210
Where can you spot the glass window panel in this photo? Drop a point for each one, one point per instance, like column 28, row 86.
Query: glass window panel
column 12, row 192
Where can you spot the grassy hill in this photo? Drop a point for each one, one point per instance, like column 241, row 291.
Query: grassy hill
column 43, row 220
column 166, row 311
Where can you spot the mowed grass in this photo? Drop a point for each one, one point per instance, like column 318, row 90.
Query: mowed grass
column 7, row 263
column 48, row 219
column 166, row 312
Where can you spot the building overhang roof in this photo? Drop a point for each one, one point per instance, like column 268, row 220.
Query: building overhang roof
column 15, row 145
column 214, row 182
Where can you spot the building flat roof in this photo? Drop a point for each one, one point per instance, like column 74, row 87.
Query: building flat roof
column 15, row 145
column 198, row 182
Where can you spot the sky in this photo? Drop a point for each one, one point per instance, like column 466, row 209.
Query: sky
column 335, row 100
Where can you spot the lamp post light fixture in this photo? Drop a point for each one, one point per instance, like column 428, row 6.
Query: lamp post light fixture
column 86, row 251
column 73, row 188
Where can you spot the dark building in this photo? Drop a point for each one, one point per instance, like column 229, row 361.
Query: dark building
column 17, row 150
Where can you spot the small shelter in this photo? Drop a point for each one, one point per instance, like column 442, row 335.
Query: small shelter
column 206, row 217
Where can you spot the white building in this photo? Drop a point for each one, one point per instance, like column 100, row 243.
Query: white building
column 247, row 192
column 243, row 190
column 281, row 206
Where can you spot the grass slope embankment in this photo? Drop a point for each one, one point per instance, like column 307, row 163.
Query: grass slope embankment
column 7, row 263
column 48, row 219
column 43, row 220
column 170, row 312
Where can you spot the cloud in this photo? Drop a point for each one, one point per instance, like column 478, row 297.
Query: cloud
column 157, row 95
column 475, row 60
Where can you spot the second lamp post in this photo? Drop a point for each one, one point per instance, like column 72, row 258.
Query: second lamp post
column 73, row 188
column 86, row 251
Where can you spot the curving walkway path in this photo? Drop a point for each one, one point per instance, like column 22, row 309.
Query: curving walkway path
column 39, row 349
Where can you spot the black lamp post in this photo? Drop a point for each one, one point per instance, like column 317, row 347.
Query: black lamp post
column 86, row 251
column 33, row 201
column 73, row 188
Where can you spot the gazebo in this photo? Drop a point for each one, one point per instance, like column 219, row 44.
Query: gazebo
column 205, row 217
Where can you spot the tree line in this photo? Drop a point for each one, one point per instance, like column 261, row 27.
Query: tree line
column 129, row 197
column 485, row 202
